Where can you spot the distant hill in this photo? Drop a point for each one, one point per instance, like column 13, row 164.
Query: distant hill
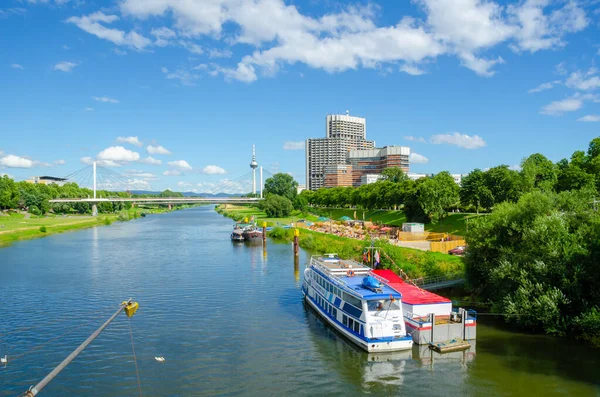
column 189, row 194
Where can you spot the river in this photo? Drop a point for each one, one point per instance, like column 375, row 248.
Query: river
column 228, row 320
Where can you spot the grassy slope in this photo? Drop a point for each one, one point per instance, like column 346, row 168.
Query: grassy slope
column 248, row 211
column 17, row 228
column 454, row 223
column 414, row 262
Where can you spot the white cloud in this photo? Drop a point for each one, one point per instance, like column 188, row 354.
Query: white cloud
column 172, row 173
column 184, row 184
column 347, row 38
column 65, row 66
column 415, row 139
column 461, row 140
column 412, row 70
column 186, row 77
column 216, row 53
column 66, row 47
column 539, row 31
column 12, row 161
column 105, row 99
column 17, row 66
column 88, row 109
column 133, row 140
column 290, row 145
column 561, row 68
column 163, row 35
column 41, row 164
column 416, row 158
column 590, row 118
column 544, row 86
column 147, row 176
column 213, row 170
column 157, row 150
column 515, row 167
column 584, row 81
column 118, row 154
column 119, row 52
column 557, row 108
column 151, row 161
column 92, row 24
column 60, row 162
column 181, row 164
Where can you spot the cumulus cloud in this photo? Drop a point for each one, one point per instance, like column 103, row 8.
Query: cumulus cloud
column 65, row 66
column 172, row 173
column 105, row 99
column 17, row 66
column 93, row 24
column 590, row 118
column 133, row 140
column 148, row 176
column 348, row 38
column 562, row 106
column 291, row 145
column 415, row 139
column 181, row 164
column 584, row 81
column 417, row 158
column 118, row 154
column 461, row 140
column 544, row 86
column 13, row 161
column 151, row 161
column 157, row 150
column 213, row 170
column 60, row 162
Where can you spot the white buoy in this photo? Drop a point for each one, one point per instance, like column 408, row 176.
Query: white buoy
column 160, row 359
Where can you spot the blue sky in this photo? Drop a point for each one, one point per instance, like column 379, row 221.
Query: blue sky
column 465, row 83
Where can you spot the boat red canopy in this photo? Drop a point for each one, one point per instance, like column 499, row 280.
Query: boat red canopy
column 411, row 294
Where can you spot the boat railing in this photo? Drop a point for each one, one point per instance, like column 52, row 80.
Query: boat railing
column 333, row 277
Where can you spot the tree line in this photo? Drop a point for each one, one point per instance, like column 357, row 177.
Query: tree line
column 34, row 197
column 429, row 199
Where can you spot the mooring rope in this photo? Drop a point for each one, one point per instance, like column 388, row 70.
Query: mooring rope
column 137, row 373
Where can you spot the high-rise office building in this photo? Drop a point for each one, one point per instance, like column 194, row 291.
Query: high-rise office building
column 342, row 134
column 374, row 161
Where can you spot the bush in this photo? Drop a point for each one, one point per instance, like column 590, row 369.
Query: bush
column 277, row 206
column 34, row 210
column 123, row 217
column 43, row 229
column 107, row 221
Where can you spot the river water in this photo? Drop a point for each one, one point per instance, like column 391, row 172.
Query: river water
column 229, row 320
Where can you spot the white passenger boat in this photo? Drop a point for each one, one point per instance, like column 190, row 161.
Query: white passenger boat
column 355, row 301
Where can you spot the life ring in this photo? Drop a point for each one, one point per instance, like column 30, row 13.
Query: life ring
column 350, row 273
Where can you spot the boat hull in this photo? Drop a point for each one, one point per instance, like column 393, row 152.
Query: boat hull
column 371, row 346
column 252, row 236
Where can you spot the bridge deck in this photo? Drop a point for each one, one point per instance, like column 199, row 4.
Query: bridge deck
column 162, row 200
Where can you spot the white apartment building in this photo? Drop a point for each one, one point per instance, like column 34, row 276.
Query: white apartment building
column 343, row 133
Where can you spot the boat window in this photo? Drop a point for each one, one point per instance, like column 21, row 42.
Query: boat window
column 334, row 312
column 352, row 300
column 350, row 323
column 383, row 305
column 357, row 327
column 345, row 320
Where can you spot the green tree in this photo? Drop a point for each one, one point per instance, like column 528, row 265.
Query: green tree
column 474, row 191
column 281, row 184
column 538, row 173
column 9, row 195
column 276, row 206
column 504, row 184
column 394, row 174
column 437, row 195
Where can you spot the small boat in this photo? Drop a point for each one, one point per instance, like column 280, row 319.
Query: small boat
column 237, row 234
column 355, row 301
column 252, row 234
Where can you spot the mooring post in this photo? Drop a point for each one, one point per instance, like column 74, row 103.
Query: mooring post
column 297, row 268
column 264, row 225
column 296, row 237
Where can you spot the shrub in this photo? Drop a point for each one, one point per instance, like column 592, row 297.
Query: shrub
column 107, row 221
column 277, row 206
column 123, row 217
column 43, row 229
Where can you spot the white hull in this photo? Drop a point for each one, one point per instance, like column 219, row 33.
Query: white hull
column 371, row 347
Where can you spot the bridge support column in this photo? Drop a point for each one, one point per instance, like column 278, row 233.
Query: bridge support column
column 132, row 205
column 170, row 206
column 94, row 210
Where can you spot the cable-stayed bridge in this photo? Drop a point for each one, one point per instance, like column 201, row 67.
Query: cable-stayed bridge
column 106, row 185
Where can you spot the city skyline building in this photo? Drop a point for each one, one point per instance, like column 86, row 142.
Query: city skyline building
column 343, row 133
column 374, row 161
